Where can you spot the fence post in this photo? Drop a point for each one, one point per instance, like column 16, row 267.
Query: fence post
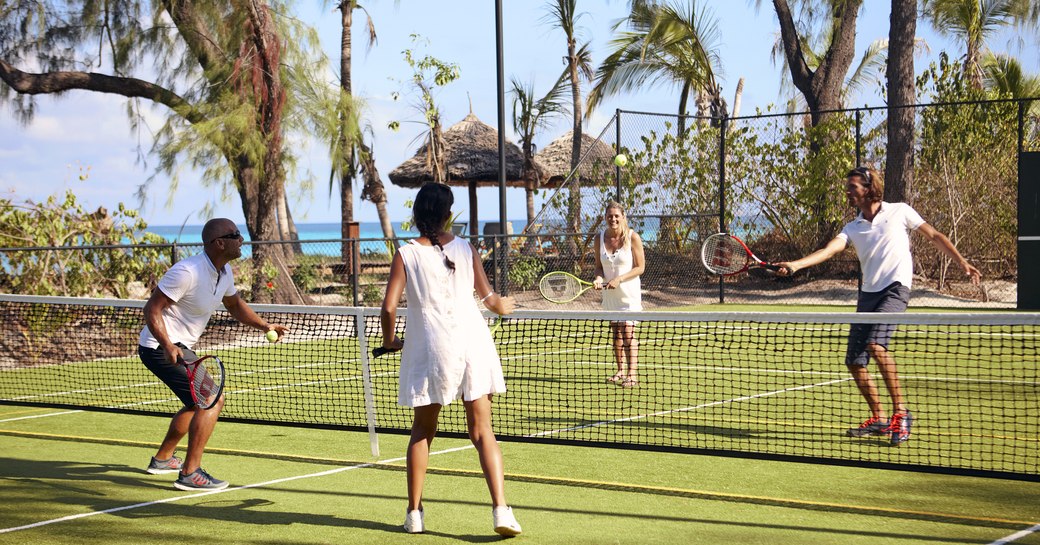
column 723, row 225
column 354, row 233
column 175, row 254
column 617, row 150
column 859, row 143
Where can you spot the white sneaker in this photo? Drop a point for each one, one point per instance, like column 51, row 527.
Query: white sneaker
column 413, row 522
column 505, row 522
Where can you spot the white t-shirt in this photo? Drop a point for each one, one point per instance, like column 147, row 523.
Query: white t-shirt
column 883, row 245
column 197, row 290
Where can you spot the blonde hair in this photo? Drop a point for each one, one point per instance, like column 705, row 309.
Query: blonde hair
column 626, row 231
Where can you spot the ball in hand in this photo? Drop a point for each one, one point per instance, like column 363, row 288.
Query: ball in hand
column 621, row 159
column 272, row 336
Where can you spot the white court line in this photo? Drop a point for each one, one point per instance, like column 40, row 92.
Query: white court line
column 37, row 416
column 212, row 492
column 1016, row 536
column 685, row 409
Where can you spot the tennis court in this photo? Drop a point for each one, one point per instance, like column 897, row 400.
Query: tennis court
column 79, row 476
column 768, row 393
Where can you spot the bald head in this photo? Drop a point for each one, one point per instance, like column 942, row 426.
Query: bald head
column 216, row 228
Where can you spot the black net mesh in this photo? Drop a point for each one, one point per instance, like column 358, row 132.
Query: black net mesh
column 746, row 384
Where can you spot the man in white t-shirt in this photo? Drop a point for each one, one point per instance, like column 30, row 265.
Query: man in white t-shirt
column 175, row 317
column 880, row 234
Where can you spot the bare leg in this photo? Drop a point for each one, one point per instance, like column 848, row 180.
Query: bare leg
column 424, row 428
column 202, row 423
column 867, row 388
column 887, row 365
column 628, row 336
column 179, row 426
column 619, row 351
column 478, row 419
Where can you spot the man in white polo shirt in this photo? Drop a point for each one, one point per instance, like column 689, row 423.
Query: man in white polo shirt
column 880, row 234
column 175, row 317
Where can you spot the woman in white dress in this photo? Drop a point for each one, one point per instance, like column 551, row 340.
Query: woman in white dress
column 619, row 263
column 450, row 353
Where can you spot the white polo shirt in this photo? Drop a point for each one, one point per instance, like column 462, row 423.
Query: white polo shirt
column 197, row 290
column 883, row 245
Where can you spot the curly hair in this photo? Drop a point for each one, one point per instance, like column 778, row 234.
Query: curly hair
column 431, row 211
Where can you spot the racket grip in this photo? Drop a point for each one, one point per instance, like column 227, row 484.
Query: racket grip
column 771, row 267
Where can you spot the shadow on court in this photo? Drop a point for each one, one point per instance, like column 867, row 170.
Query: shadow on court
column 63, row 475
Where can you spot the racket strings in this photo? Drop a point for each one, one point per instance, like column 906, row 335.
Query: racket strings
column 724, row 255
column 204, row 381
column 559, row 288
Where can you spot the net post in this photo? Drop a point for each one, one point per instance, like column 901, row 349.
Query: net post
column 366, row 380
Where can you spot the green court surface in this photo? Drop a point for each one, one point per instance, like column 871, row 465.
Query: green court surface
column 78, row 477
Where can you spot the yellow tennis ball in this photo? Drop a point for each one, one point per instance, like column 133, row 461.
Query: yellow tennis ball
column 272, row 336
column 621, row 159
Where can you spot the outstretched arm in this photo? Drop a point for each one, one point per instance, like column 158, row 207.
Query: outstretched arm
column 242, row 312
column 943, row 243
column 493, row 301
column 832, row 248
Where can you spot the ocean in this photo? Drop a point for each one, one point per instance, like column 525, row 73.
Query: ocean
column 192, row 234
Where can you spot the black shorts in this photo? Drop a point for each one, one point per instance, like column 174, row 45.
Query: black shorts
column 173, row 375
column 893, row 298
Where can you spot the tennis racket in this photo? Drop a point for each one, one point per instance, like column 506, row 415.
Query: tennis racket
column 206, row 377
column 725, row 254
column 562, row 287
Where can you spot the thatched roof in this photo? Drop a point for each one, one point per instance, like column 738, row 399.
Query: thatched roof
column 555, row 158
column 471, row 155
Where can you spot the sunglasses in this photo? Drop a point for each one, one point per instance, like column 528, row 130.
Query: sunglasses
column 231, row 235
column 862, row 173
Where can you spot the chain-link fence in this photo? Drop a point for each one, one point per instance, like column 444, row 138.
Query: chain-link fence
column 775, row 180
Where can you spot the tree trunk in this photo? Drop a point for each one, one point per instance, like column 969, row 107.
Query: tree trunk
column 346, row 181
column 899, row 169
column 574, row 207
column 821, row 87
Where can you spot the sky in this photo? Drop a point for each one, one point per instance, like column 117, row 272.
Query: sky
column 83, row 142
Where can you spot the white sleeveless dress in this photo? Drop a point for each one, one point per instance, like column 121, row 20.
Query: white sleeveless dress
column 448, row 351
column 629, row 295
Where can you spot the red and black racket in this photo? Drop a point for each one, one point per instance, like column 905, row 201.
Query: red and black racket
column 206, row 376
column 725, row 254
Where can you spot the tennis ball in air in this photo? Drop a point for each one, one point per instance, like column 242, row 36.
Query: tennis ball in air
column 272, row 336
column 621, row 159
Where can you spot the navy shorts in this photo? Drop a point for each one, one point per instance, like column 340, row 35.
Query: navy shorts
column 173, row 375
column 893, row 298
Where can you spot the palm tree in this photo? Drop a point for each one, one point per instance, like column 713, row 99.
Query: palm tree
column 1003, row 73
column 973, row 21
column 530, row 116
column 350, row 153
column 670, row 43
column 901, row 94
column 564, row 15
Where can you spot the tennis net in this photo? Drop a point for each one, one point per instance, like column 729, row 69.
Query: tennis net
column 758, row 385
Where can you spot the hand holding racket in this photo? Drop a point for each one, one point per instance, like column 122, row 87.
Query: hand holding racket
column 206, row 377
column 561, row 287
column 725, row 254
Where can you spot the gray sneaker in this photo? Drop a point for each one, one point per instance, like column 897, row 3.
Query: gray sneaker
column 869, row 427
column 159, row 467
column 199, row 480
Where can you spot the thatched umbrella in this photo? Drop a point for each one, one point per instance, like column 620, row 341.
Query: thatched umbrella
column 555, row 159
column 471, row 159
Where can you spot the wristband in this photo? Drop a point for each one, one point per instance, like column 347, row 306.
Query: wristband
column 486, row 296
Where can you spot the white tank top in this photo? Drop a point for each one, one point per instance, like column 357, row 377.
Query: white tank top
column 629, row 295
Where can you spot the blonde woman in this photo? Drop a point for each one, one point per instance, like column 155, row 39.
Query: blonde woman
column 619, row 263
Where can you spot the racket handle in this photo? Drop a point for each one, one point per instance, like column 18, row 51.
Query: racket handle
column 770, row 266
